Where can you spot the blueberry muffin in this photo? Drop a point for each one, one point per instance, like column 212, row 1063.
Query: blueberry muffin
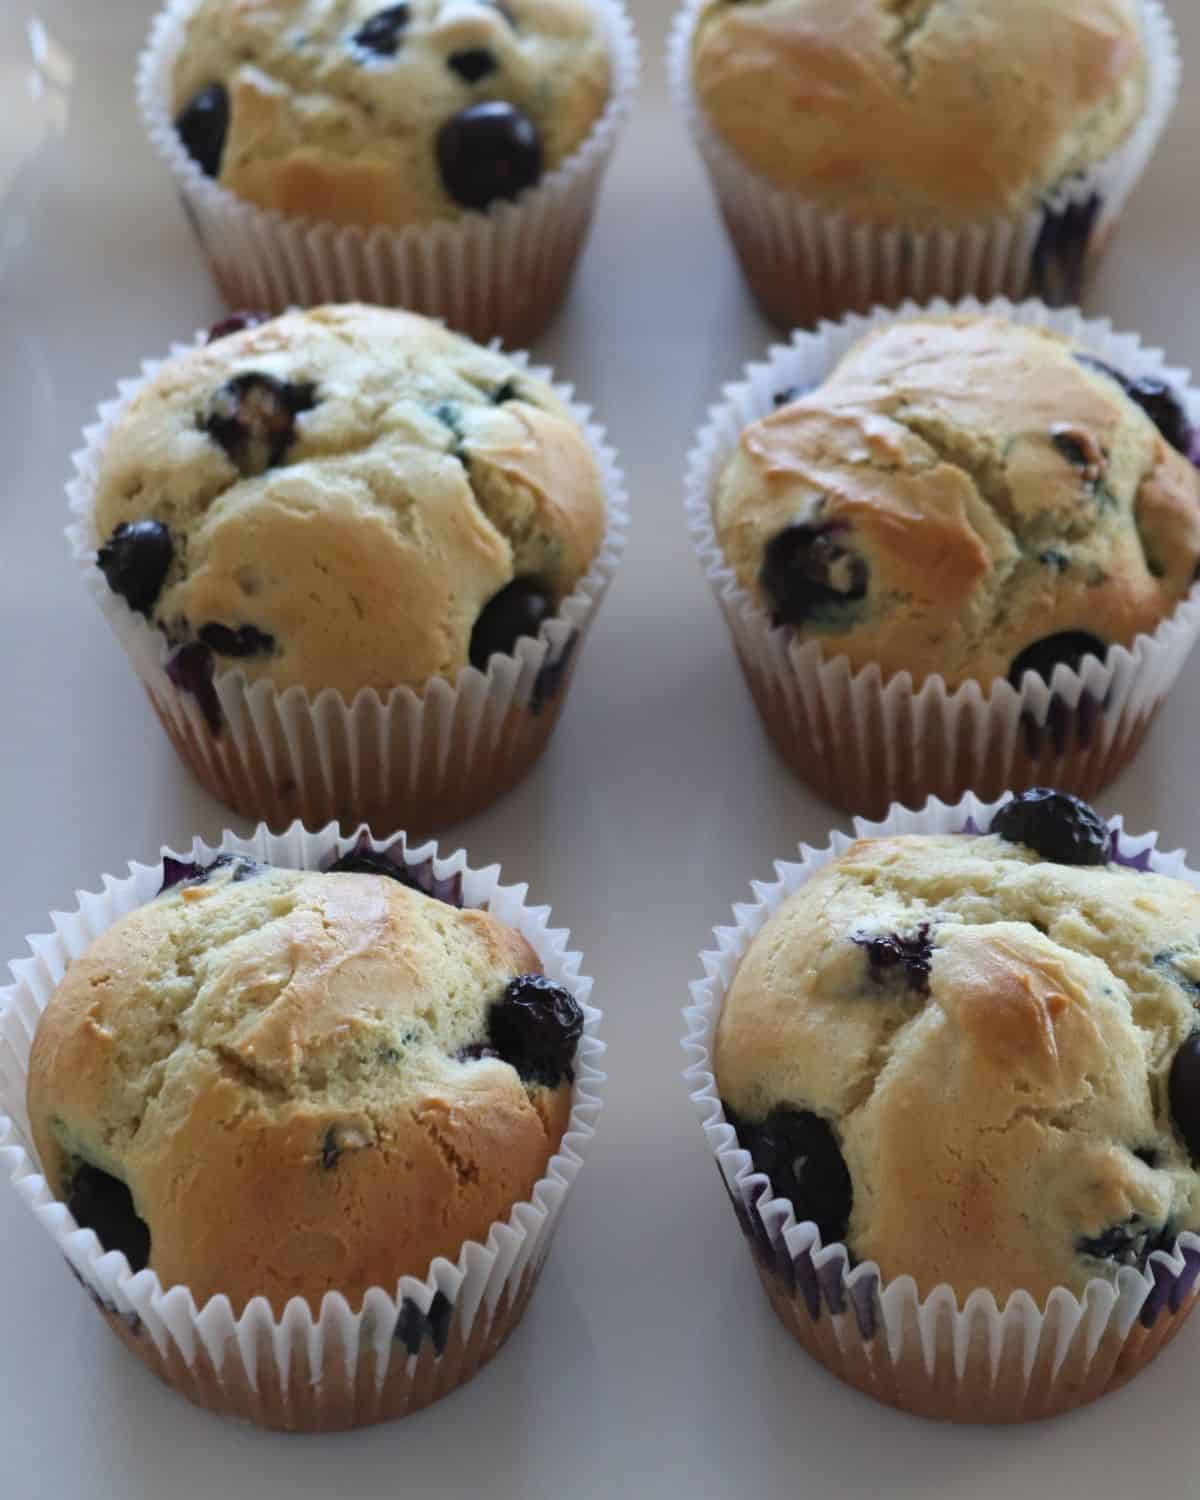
column 344, row 498
column 965, row 497
column 975, row 1059
column 920, row 113
column 278, row 1083
column 356, row 114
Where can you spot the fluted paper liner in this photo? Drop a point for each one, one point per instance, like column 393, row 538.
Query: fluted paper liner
column 974, row 1363
column 804, row 262
column 862, row 741
column 500, row 274
column 349, row 1366
column 419, row 761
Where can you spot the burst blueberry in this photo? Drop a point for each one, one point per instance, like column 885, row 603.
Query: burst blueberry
column 536, row 1026
column 472, row 64
column 241, row 640
column 253, row 417
column 808, row 570
column 190, row 872
column 102, row 1203
column 203, row 125
column 1156, row 398
column 518, row 609
column 488, row 153
column 1056, row 825
column 1066, row 648
column 1130, row 1243
column 799, row 1153
column 380, row 34
column 908, row 954
column 1183, row 1092
column 135, row 561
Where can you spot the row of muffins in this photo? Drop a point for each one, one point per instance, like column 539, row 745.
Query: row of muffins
column 211, row 546
column 315, row 1101
column 354, row 556
column 448, row 157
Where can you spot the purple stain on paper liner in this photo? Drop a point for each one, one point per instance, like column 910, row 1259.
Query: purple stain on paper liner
column 132, row 1322
column 1060, row 255
column 552, row 676
column 413, row 1326
column 361, row 859
column 191, row 670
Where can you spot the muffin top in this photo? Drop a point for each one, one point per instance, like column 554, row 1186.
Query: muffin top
column 972, row 1064
column 967, row 497
column 917, row 111
column 348, row 497
column 270, row 1082
column 352, row 113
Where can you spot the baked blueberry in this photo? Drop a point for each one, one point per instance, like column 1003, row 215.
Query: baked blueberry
column 1183, row 1090
column 363, row 860
column 552, row 674
column 488, row 153
column 381, row 32
column 235, row 323
column 413, row 1326
column 1059, row 827
column 189, row 872
column 472, row 64
column 799, row 1153
column 1165, row 410
column 518, row 609
column 1131, row 1243
column 253, row 417
column 1067, row 647
column 336, row 1141
column 242, row 640
column 191, row 670
column 135, row 561
column 806, row 570
column 909, row 954
column 102, row 1203
column 203, row 124
column 507, row 390
column 1157, row 400
column 536, row 1026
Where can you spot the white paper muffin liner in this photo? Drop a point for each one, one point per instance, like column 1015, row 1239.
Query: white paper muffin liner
column 863, row 742
column 419, row 761
column 499, row 274
column 346, row 1367
column 974, row 1363
column 804, row 262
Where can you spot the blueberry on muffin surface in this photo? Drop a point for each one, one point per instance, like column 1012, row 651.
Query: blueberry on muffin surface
column 348, row 497
column 278, row 1083
column 923, row 112
column 966, row 497
column 1019, row 1108
column 391, row 115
